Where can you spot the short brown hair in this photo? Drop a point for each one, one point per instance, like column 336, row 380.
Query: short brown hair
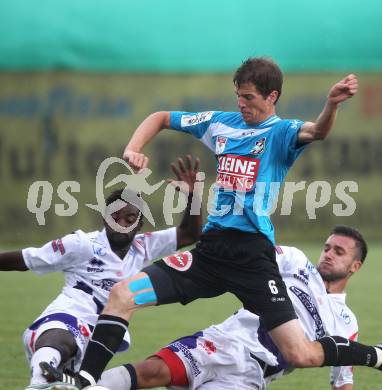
column 350, row 232
column 263, row 73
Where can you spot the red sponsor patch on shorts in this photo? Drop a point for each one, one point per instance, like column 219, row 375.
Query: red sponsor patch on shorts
column 84, row 331
column 209, row 346
column 180, row 261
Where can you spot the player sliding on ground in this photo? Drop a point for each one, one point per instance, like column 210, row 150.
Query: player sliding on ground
column 238, row 353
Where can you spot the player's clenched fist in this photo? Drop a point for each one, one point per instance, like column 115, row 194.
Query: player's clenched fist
column 343, row 90
column 136, row 160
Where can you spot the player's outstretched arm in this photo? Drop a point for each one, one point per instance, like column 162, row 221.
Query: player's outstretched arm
column 147, row 130
column 12, row 261
column 319, row 130
column 190, row 228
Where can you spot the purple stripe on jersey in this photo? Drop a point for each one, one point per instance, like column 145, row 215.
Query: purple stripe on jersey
column 311, row 308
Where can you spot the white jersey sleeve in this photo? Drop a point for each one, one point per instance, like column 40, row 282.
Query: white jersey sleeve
column 346, row 326
column 159, row 244
column 54, row 256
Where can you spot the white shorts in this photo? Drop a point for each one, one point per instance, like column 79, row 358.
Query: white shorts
column 208, row 360
column 80, row 331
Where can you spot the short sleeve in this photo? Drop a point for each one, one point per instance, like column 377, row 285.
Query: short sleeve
column 195, row 123
column 290, row 146
column 159, row 244
column 56, row 255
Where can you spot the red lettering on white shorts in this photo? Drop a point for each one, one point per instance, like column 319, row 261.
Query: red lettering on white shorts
column 180, row 261
column 237, row 172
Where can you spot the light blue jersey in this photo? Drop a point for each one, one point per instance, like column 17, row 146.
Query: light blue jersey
column 252, row 164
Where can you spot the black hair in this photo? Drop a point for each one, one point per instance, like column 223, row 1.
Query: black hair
column 135, row 197
column 360, row 243
column 263, row 73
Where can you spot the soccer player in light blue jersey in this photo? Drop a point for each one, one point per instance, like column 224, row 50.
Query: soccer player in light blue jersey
column 254, row 148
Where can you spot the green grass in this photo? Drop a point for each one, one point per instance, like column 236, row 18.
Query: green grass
column 24, row 295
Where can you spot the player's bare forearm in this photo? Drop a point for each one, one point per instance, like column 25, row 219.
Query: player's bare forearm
column 341, row 91
column 190, row 228
column 320, row 129
column 144, row 133
column 12, row 261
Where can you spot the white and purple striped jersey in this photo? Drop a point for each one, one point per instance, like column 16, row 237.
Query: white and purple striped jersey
column 91, row 268
column 252, row 162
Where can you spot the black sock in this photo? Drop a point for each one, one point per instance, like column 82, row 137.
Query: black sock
column 340, row 351
column 133, row 376
column 107, row 337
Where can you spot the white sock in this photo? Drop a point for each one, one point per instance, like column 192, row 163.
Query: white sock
column 116, row 378
column 44, row 354
column 379, row 356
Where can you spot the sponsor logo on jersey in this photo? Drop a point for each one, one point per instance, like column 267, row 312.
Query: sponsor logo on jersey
column 180, row 261
column 311, row 267
column 259, row 147
column 94, row 269
column 311, row 308
column 96, row 265
column 57, row 245
column 99, row 250
column 294, row 124
column 96, row 262
column 191, row 120
column 345, row 316
column 302, row 276
column 220, row 144
column 254, row 132
column 105, row 284
column 237, row 172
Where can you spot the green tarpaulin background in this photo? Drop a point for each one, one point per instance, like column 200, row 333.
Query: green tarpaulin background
column 189, row 36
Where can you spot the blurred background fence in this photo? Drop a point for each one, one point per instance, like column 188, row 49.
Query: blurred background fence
column 77, row 77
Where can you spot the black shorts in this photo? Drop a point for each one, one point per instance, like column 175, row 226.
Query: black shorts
column 226, row 261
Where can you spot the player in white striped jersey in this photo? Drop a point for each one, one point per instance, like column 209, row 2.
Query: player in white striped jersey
column 92, row 263
column 238, row 353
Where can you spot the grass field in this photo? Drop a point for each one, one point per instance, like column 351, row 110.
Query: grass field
column 24, row 295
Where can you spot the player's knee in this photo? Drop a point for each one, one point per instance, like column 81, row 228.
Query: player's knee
column 133, row 292
column 59, row 339
column 153, row 371
column 120, row 294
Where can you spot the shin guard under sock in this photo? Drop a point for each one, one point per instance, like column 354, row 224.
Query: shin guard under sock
column 107, row 337
column 340, row 351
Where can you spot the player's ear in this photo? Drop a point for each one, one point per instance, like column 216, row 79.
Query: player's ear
column 355, row 266
column 272, row 97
